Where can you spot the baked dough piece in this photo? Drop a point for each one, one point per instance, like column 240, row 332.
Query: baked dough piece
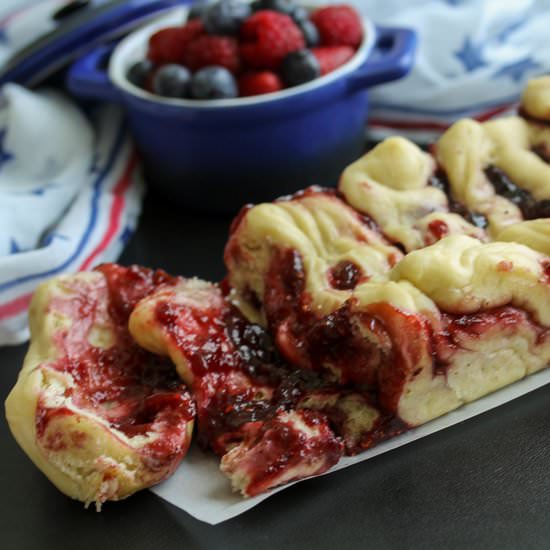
column 482, row 178
column 240, row 417
column 447, row 324
column 99, row 416
column 329, row 339
column 392, row 185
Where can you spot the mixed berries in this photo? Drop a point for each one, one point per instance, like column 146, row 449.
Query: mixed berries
column 232, row 48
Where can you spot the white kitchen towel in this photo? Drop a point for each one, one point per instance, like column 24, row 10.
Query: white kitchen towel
column 70, row 194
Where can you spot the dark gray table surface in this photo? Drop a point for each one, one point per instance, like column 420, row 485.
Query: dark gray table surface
column 482, row 484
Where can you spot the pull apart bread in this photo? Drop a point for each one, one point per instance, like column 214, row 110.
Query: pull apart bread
column 347, row 316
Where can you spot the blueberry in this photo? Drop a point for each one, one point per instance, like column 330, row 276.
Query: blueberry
column 139, row 72
column 310, row 32
column 198, row 9
column 225, row 17
column 284, row 6
column 299, row 67
column 213, row 83
column 172, row 81
column 300, row 14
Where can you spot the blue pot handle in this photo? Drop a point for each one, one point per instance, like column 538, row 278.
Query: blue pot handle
column 88, row 78
column 391, row 58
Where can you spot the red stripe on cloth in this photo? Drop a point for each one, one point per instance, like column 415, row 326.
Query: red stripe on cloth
column 15, row 307
column 116, row 211
column 20, row 304
column 425, row 125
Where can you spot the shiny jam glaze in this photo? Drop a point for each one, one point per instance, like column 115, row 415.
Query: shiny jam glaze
column 239, row 376
column 136, row 392
column 282, row 447
column 128, row 285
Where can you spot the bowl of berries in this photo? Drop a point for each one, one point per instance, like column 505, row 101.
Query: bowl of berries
column 232, row 101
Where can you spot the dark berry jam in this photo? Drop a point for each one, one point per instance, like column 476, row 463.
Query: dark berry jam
column 524, row 114
column 542, row 151
column 440, row 181
column 530, row 208
column 345, row 275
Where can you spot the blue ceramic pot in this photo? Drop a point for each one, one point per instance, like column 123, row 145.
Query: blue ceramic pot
column 217, row 155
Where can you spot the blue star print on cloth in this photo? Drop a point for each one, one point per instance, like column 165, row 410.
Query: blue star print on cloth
column 470, row 55
column 5, row 156
column 517, row 70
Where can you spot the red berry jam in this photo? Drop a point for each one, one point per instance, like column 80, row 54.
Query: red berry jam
column 136, row 392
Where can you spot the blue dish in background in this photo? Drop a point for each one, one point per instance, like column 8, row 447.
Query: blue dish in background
column 217, row 155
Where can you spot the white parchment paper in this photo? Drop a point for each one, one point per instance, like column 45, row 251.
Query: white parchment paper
column 200, row 489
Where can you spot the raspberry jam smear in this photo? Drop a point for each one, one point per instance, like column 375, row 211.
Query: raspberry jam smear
column 242, row 386
column 136, row 392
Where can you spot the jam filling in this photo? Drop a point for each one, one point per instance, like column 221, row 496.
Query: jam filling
column 221, row 347
column 530, row 208
column 345, row 275
column 459, row 328
column 440, row 181
column 128, row 285
column 136, row 392
column 524, row 114
column 242, row 382
column 542, row 151
column 282, row 447
column 439, row 229
column 545, row 264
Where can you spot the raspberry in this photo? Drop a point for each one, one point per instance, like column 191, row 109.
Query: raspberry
column 267, row 37
column 331, row 57
column 206, row 51
column 168, row 45
column 338, row 26
column 263, row 82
